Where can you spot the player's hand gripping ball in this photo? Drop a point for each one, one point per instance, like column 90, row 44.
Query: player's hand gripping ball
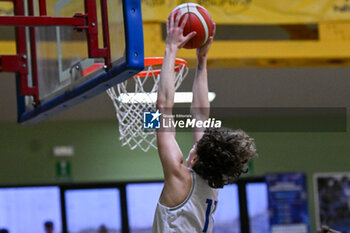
column 199, row 20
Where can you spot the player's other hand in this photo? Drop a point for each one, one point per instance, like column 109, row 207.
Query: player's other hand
column 203, row 51
column 175, row 39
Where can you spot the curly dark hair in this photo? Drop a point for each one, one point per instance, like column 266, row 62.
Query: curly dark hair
column 222, row 155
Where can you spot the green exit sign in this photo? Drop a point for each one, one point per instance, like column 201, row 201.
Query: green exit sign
column 63, row 169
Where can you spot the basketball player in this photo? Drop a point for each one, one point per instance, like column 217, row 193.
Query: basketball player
column 190, row 193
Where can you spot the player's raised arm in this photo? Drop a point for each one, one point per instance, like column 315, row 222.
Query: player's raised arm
column 200, row 107
column 169, row 152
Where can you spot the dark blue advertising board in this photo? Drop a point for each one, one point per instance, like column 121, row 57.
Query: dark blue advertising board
column 288, row 207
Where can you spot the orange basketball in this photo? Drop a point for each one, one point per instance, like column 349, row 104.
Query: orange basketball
column 199, row 20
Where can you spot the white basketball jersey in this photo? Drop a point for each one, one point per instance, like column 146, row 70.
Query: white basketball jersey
column 191, row 216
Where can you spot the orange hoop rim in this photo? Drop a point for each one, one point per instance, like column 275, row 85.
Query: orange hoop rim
column 152, row 61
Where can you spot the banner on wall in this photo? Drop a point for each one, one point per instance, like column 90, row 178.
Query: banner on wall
column 332, row 200
column 256, row 11
column 242, row 11
column 288, row 207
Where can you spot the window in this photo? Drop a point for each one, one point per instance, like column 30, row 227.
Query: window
column 142, row 202
column 226, row 216
column 90, row 209
column 258, row 207
column 25, row 210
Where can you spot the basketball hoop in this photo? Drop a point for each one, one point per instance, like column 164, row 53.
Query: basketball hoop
column 137, row 95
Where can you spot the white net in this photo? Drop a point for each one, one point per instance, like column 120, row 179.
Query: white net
column 132, row 98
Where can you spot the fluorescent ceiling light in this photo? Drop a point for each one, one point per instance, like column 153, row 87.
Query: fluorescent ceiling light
column 180, row 97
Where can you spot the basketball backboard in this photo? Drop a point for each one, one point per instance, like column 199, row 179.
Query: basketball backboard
column 71, row 50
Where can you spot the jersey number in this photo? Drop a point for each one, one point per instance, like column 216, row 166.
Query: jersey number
column 207, row 214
